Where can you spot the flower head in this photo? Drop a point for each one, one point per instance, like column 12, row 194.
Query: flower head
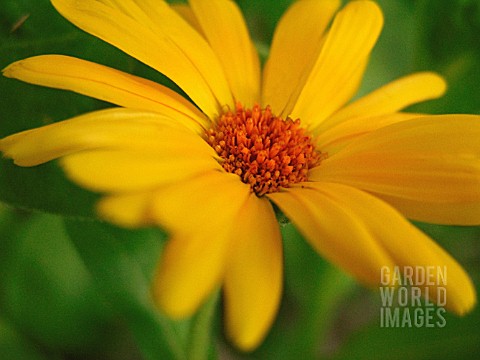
column 265, row 151
column 346, row 174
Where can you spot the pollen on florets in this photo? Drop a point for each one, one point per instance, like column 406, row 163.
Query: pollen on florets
column 265, row 151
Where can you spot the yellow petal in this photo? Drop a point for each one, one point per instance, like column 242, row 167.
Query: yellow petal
column 226, row 31
column 430, row 135
column 435, row 159
column 202, row 215
column 466, row 213
column 339, row 136
column 410, row 176
column 186, row 12
column 253, row 280
column 334, row 231
column 392, row 97
column 345, row 92
column 155, row 34
column 405, row 244
column 107, row 84
column 127, row 210
column 295, row 47
column 126, row 170
column 107, row 129
column 349, row 42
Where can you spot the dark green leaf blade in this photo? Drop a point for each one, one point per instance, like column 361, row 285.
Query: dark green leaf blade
column 121, row 262
column 459, row 339
column 45, row 290
column 13, row 346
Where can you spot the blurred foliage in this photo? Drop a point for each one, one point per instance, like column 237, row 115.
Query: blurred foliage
column 72, row 287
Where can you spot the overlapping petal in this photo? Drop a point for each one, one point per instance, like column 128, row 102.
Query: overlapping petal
column 295, row 47
column 130, row 170
column 403, row 243
column 253, row 280
column 377, row 109
column 391, row 98
column 186, row 12
column 451, row 213
column 334, row 231
column 104, row 83
column 434, row 159
column 193, row 262
column 224, row 28
column 339, row 136
column 348, row 44
column 113, row 129
column 112, row 208
column 155, row 34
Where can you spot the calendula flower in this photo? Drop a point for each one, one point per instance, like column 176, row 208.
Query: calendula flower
column 346, row 175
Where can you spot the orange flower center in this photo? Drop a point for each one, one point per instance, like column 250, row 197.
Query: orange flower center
column 265, row 151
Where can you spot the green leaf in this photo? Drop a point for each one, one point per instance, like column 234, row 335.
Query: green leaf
column 25, row 106
column 45, row 290
column 44, row 188
column 449, row 43
column 66, row 300
column 201, row 345
column 262, row 17
column 459, row 339
column 393, row 55
column 14, row 346
column 122, row 264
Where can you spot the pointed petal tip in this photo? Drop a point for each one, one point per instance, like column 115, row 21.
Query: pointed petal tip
column 20, row 66
column 9, row 69
column 6, row 145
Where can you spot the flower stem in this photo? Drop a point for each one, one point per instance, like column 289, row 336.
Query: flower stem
column 200, row 342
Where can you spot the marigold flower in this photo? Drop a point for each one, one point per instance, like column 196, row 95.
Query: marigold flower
column 346, row 174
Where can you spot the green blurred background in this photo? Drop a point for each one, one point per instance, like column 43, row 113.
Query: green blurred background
column 72, row 287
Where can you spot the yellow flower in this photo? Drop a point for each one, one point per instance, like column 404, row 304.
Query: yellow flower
column 347, row 175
